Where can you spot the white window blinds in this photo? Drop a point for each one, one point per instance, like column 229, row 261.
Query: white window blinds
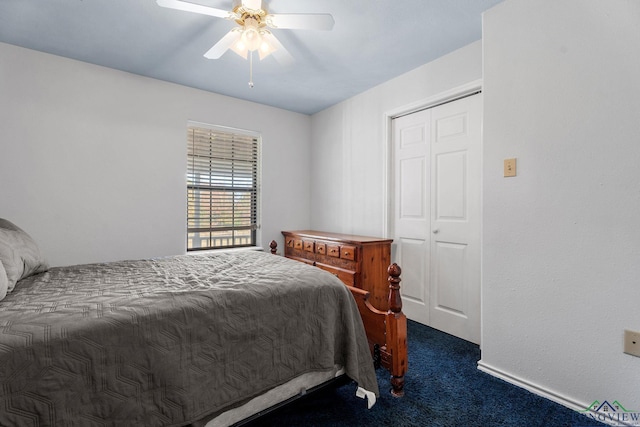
column 222, row 188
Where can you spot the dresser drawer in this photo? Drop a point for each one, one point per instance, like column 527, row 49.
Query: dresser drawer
column 347, row 277
column 297, row 243
column 333, row 250
column 348, row 252
column 289, row 242
column 321, row 248
column 308, row 245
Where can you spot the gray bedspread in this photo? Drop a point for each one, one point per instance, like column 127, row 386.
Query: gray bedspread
column 169, row 341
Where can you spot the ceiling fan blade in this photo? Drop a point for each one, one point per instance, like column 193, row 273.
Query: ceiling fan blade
column 281, row 54
column 302, row 21
column 196, row 8
column 223, row 45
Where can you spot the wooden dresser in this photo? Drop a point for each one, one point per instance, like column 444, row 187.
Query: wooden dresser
column 358, row 261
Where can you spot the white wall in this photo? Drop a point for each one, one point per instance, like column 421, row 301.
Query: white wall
column 349, row 146
column 93, row 160
column 561, row 241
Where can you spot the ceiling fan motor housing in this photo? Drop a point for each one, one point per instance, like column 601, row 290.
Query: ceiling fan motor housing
column 249, row 5
column 248, row 17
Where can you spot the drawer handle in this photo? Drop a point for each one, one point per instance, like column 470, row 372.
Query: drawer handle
column 346, row 253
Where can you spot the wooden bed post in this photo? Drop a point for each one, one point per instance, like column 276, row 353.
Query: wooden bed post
column 274, row 247
column 396, row 332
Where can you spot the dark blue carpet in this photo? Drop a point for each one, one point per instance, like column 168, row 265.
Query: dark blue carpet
column 443, row 388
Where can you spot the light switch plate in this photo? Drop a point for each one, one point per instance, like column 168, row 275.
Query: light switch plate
column 509, row 167
column 632, row 342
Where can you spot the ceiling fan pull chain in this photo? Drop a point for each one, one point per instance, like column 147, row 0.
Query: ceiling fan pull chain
column 251, row 69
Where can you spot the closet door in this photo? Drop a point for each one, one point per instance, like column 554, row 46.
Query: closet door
column 436, row 162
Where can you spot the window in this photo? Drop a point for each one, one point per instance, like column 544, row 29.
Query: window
column 222, row 187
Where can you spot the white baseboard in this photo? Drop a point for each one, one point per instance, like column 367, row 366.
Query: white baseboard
column 546, row 393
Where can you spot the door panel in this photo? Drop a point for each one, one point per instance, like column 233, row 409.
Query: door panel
column 415, row 296
column 411, row 164
column 412, row 189
column 451, row 186
column 455, row 218
column 450, row 286
column 451, row 127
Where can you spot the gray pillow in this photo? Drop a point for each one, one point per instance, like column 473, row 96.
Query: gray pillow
column 19, row 254
column 4, row 282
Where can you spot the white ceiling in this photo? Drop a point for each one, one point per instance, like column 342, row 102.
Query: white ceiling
column 372, row 41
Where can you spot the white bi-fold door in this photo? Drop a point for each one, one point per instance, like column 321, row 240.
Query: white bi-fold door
column 436, row 221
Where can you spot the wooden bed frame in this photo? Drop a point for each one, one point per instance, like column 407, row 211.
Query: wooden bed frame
column 386, row 330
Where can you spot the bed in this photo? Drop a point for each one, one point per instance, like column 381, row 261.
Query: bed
column 191, row 339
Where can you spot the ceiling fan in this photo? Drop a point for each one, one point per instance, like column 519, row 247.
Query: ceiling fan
column 253, row 30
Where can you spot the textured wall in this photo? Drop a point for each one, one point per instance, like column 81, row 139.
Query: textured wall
column 93, row 160
column 560, row 240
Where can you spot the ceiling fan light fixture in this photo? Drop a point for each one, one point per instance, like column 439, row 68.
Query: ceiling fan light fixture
column 237, row 45
column 252, row 39
column 240, row 48
column 266, row 48
column 251, row 34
